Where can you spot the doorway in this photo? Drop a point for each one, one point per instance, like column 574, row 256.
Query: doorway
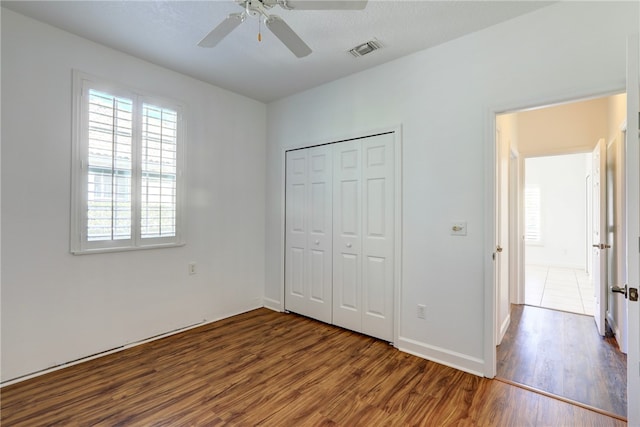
column 557, row 228
column 543, row 345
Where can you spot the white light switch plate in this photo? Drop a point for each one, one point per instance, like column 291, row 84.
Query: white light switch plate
column 458, row 228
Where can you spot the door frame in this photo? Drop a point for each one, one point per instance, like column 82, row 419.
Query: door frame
column 397, row 210
column 491, row 177
column 632, row 213
column 502, row 262
column 516, row 219
column 632, row 221
column 620, row 242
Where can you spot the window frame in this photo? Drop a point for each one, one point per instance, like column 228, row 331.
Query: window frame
column 529, row 191
column 79, row 243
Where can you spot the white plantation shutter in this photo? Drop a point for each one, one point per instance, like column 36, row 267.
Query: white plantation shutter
column 159, row 167
column 126, row 175
column 110, row 134
column 532, row 229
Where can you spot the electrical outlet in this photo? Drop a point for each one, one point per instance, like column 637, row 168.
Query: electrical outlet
column 192, row 268
column 421, row 311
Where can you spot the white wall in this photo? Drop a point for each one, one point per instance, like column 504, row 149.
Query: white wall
column 443, row 97
column 57, row 307
column 561, row 180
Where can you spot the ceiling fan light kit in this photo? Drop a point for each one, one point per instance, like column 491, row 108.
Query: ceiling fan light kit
column 279, row 28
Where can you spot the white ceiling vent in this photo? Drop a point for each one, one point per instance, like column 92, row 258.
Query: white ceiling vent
column 365, row 48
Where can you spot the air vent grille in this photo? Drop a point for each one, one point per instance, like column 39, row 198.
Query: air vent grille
column 365, row 48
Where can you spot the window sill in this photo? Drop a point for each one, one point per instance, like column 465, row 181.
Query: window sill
column 126, row 248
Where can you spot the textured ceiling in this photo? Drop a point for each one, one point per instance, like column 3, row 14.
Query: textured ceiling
column 167, row 32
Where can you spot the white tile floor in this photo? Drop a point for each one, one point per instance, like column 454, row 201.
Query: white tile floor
column 563, row 289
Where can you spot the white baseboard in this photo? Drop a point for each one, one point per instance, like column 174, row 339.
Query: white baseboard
column 614, row 326
column 272, row 304
column 449, row 358
column 503, row 328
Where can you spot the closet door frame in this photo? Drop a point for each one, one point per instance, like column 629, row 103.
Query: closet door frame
column 397, row 208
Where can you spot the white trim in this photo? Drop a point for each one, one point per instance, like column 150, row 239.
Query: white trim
column 558, row 151
column 514, row 232
column 124, row 347
column 442, row 356
column 272, row 304
column 622, row 338
column 397, row 143
column 490, row 215
column 615, row 328
column 397, row 250
column 632, row 220
column 504, row 327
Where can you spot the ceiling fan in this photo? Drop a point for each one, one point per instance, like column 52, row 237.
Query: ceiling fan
column 276, row 24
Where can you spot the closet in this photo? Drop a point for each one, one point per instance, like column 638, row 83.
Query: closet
column 339, row 242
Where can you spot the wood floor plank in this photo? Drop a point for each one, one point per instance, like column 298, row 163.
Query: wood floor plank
column 561, row 353
column 274, row 369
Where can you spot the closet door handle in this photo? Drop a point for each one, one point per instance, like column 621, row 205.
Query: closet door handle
column 317, row 242
column 348, row 245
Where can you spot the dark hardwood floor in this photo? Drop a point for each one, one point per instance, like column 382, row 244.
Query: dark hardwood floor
column 563, row 354
column 274, row 369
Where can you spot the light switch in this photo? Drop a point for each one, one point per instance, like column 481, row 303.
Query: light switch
column 458, row 228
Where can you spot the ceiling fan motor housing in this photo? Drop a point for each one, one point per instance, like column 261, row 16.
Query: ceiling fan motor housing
column 259, row 8
column 256, row 7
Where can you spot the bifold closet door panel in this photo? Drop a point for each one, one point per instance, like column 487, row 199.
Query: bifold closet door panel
column 308, row 261
column 296, row 230
column 347, row 235
column 378, row 236
column 363, row 235
column 320, row 237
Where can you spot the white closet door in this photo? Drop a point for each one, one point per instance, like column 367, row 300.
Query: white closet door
column 308, row 261
column 320, row 238
column 377, row 236
column 363, row 266
column 347, row 235
column 296, row 231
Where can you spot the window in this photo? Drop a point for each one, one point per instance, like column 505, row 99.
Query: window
column 532, row 229
column 126, row 169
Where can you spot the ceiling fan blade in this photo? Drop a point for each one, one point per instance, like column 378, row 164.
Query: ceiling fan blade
column 222, row 30
column 287, row 36
column 325, row 4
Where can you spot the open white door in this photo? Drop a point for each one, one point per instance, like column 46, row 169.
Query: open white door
column 502, row 237
column 599, row 239
column 632, row 222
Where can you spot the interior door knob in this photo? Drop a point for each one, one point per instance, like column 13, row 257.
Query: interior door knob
column 498, row 248
column 619, row 290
